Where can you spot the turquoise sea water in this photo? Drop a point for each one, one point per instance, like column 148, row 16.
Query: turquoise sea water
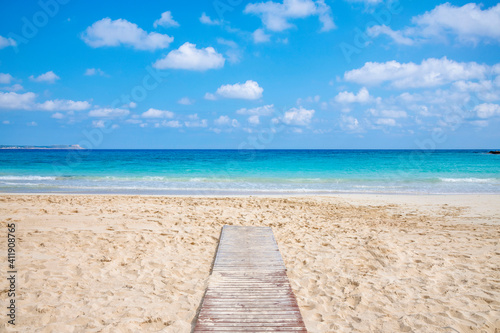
column 206, row 172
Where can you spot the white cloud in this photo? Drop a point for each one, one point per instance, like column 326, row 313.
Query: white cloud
column 63, row 105
column 122, row 32
column 14, row 87
column 385, row 122
column 259, row 36
column 226, row 121
column 205, row 19
column 194, row 121
column 6, row 122
column 430, row 73
column 265, row 110
column 397, row 36
column 210, row 97
column 5, row 78
column 350, row 124
column 222, row 120
column 480, row 123
column 248, row 90
column 487, row 110
column 166, row 20
column 388, row 113
column 32, row 123
column 108, row 113
column 98, row 123
column 26, row 101
column 469, row 24
column 190, row 58
column 155, row 113
column 94, row 71
column 275, row 16
column 254, row 120
column 233, row 54
column 57, row 115
column 12, row 100
column 298, row 116
column 49, row 77
column 5, row 42
column 185, row 101
column 367, row 2
column 169, row 123
column 256, row 113
column 363, row 96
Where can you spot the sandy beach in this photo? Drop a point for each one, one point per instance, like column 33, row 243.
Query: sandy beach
column 357, row 263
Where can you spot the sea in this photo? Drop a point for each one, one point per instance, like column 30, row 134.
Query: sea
column 249, row 172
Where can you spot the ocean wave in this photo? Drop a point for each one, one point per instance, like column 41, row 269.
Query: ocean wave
column 27, row 178
column 469, row 180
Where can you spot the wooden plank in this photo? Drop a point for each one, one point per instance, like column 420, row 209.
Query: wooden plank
column 249, row 290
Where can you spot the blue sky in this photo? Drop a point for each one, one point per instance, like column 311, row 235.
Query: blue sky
column 247, row 74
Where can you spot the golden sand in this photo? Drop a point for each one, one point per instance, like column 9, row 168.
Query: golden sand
column 96, row 263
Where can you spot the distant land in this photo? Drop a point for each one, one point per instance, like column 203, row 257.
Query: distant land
column 43, row 147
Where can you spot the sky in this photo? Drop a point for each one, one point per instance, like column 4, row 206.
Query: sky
column 235, row 74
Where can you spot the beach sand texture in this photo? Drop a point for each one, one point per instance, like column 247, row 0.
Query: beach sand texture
column 98, row 263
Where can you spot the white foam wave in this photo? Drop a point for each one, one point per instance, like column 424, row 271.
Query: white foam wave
column 469, row 180
column 26, row 178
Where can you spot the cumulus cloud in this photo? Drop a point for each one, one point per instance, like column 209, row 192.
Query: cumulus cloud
column 63, row 105
column 185, row 101
column 195, row 121
column 265, row 110
column 107, row 32
column 487, row 110
column 14, row 87
column 468, row 24
column 259, row 36
column 205, row 19
column 275, row 16
column 429, row 73
column 233, row 54
column 15, row 101
column 226, row 121
column 385, row 122
column 155, row 113
column 256, row 113
column 108, row 112
column 49, row 77
column 5, row 78
column 169, row 123
column 367, row 2
column 388, row 113
column 166, row 20
column 26, row 101
column 210, row 97
column 248, row 90
column 98, row 123
column 350, row 124
column 297, row 117
column 190, row 58
column 5, row 42
column 397, row 36
column 94, row 71
column 57, row 115
column 363, row 96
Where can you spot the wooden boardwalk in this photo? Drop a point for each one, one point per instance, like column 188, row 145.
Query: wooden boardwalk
column 249, row 290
